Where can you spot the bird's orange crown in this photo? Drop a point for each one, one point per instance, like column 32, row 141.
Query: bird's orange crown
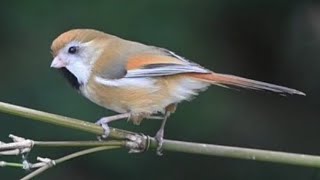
column 80, row 35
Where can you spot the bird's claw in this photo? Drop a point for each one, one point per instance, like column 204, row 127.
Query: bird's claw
column 104, row 124
column 159, row 139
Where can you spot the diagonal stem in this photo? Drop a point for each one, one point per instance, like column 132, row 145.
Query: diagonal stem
column 60, row 120
column 66, row 158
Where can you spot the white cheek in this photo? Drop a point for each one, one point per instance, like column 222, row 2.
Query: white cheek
column 80, row 64
column 80, row 70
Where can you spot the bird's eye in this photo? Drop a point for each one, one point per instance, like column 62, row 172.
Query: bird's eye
column 72, row 49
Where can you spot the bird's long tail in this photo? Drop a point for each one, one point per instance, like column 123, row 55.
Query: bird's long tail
column 231, row 80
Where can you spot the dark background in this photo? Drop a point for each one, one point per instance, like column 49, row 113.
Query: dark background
column 272, row 41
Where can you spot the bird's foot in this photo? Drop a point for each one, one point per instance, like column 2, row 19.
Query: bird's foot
column 159, row 139
column 103, row 122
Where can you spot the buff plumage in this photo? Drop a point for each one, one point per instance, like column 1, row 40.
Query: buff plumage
column 135, row 79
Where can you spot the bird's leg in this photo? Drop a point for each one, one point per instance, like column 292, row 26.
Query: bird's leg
column 155, row 117
column 159, row 136
column 103, row 122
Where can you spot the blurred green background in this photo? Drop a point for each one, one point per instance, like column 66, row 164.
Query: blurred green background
column 272, row 41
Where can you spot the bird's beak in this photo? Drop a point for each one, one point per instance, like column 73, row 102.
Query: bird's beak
column 58, row 63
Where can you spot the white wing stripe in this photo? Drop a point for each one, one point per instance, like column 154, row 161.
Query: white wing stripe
column 126, row 82
column 163, row 71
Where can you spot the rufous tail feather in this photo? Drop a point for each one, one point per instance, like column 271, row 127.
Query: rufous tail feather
column 231, row 80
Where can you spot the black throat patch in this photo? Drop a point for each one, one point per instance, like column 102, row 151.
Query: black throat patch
column 72, row 79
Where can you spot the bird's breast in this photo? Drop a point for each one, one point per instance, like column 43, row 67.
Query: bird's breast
column 123, row 96
column 141, row 95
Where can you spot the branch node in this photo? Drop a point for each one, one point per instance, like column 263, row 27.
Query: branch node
column 138, row 143
column 26, row 165
column 47, row 161
column 3, row 163
column 18, row 146
column 16, row 138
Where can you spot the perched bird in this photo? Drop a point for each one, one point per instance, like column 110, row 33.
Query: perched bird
column 134, row 79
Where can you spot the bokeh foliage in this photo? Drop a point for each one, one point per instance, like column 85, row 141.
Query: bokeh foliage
column 273, row 41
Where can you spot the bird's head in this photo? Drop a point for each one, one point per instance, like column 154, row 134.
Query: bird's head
column 76, row 51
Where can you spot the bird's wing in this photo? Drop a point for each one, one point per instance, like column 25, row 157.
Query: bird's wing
column 139, row 69
column 167, row 63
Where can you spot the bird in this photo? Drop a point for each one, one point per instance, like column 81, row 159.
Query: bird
column 137, row 80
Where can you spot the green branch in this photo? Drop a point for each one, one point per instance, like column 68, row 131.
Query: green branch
column 60, row 120
column 168, row 145
column 243, row 153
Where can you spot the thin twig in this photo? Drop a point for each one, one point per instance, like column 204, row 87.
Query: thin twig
column 10, row 164
column 28, row 143
column 66, row 158
column 11, row 152
column 22, row 145
column 79, row 143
